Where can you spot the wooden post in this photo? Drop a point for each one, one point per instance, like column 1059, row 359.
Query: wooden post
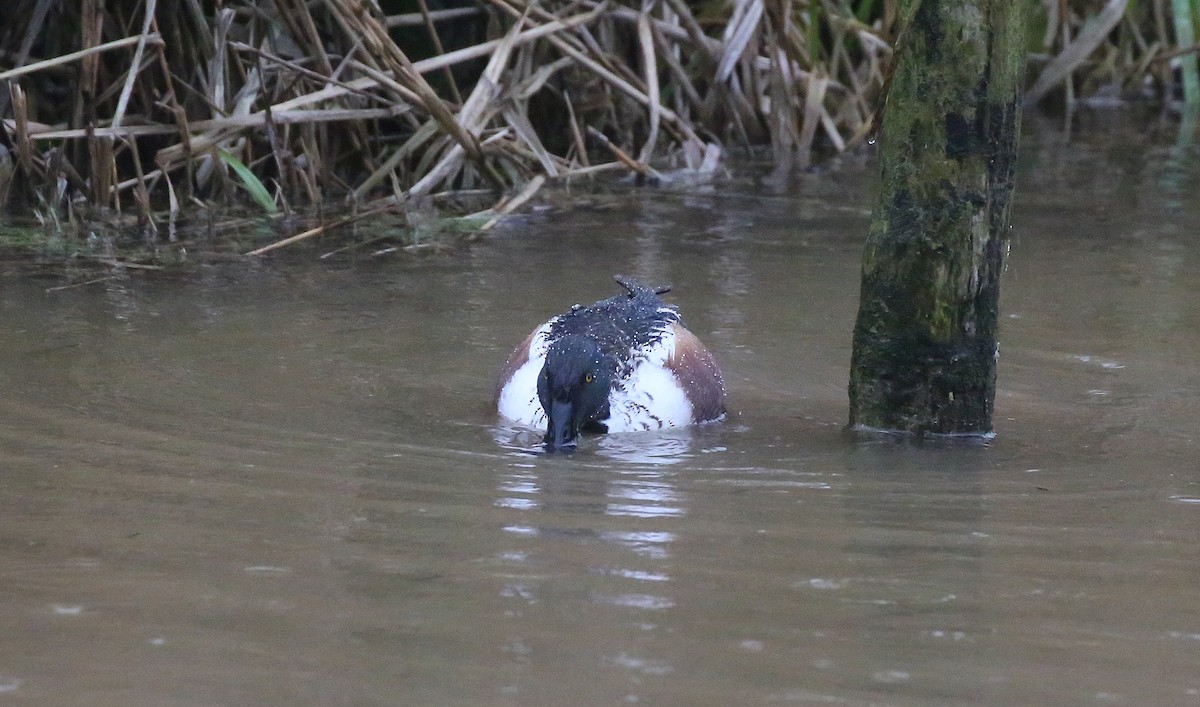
column 924, row 358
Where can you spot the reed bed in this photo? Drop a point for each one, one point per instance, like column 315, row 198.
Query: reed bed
column 1114, row 51
column 145, row 109
column 156, row 105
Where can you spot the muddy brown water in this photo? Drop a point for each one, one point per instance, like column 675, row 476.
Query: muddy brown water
column 283, row 484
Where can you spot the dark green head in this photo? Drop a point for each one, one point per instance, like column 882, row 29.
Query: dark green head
column 573, row 388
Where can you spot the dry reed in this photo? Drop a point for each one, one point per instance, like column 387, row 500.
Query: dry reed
column 157, row 105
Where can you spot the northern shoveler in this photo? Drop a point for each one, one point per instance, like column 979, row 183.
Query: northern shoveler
column 623, row 364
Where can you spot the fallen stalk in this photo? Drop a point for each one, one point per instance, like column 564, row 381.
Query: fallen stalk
column 154, row 39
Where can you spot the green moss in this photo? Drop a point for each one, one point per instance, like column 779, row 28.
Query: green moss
column 21, row 238
column 924, row 342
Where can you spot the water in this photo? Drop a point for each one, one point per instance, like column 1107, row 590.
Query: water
column 283, row 483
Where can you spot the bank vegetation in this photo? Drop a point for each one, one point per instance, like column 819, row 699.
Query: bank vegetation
column 137, row 113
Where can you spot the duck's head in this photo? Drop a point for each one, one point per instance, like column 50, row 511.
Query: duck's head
column 573, row 388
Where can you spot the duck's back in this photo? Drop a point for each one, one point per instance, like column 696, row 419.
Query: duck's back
column 663, row 376
column 624, row 327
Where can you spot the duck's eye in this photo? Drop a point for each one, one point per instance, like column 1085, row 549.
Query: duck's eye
column 588, row 378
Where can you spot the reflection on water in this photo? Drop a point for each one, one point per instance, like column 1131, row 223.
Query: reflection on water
column 658, row 448
column 663, row 447
column 283, row 483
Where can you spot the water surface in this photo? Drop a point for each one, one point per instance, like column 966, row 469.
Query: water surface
column 282, row 483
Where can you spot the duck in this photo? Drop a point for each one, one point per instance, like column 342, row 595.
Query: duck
column 622, row 364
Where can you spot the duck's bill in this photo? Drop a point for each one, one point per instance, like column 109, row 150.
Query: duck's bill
column 561, row 432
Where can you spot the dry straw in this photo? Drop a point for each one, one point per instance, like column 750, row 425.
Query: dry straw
column 171, row 103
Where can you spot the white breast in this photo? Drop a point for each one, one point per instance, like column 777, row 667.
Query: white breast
column 519, row 396
column 649, row 398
